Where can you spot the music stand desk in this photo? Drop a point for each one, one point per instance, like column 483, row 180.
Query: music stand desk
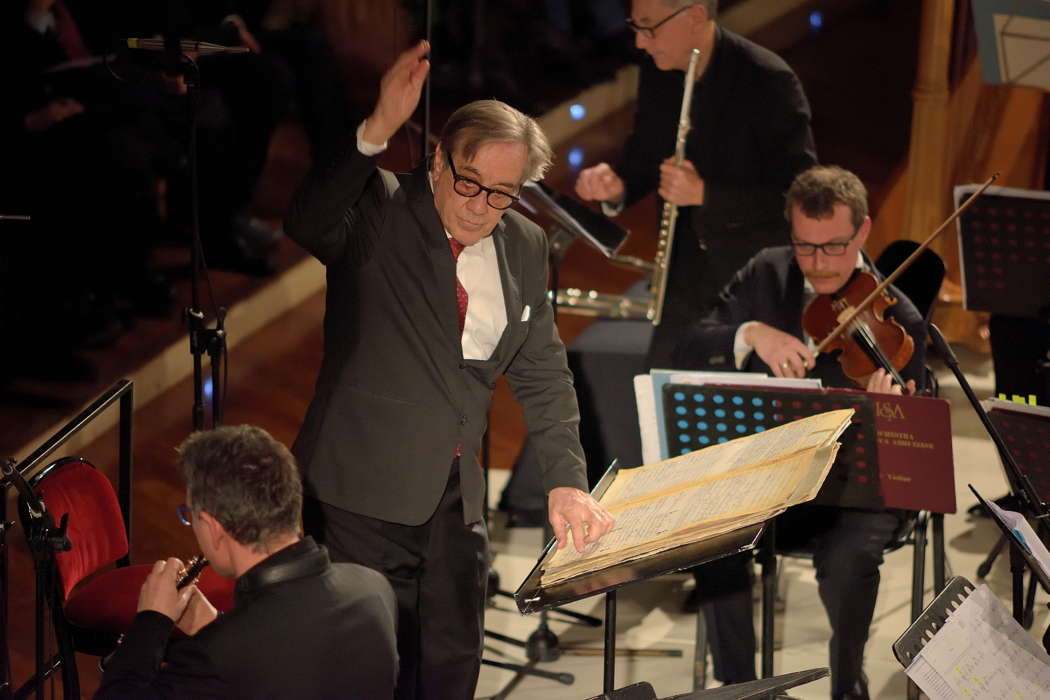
column 532, row 596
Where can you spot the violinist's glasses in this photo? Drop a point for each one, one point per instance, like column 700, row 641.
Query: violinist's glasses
column 834, row 248
column 185, row 514
column 650, row 32
column 465, row 187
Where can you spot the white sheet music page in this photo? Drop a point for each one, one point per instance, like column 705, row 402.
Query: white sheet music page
column 981, row 652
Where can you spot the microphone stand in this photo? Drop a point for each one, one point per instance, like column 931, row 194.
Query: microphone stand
column 202, row 339
column 1020, row 485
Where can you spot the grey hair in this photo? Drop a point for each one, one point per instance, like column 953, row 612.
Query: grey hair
column 490, row 121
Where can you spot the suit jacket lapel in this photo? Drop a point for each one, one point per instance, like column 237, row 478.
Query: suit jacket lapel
column 508, row 260
column 441, row 264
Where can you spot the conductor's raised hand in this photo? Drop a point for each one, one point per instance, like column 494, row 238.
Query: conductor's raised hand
column 398, row 93
column 572, row 509
column 599, row 184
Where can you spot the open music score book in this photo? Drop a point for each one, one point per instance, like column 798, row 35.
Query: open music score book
column 708, row 492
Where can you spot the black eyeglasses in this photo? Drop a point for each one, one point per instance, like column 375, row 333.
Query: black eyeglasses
column 464, row 186
column 834, row 248
column 185, row 514
column 650, row 32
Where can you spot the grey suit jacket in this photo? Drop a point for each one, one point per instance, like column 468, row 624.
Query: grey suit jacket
column 394, row 395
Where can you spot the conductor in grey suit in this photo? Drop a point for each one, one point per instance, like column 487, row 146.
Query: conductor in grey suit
column 435, row 289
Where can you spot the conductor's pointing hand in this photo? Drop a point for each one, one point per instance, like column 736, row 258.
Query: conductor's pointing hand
column 398, row 94
column 572, row 509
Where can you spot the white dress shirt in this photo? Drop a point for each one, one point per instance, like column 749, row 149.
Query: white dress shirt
column 478, row 271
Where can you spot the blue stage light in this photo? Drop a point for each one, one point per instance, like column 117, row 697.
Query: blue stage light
column 207, row 388
column 576, row 157
column 577, row 111
column 816, row 19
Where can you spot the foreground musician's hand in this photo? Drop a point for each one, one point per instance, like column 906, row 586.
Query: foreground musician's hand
column 681, row 184
column 159, row 593
column 882, row 383
column 199, row 612
column 571, row 508
column 600, row 184
column 785, row 354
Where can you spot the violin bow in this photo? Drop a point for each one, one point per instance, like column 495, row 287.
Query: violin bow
column 859, row 308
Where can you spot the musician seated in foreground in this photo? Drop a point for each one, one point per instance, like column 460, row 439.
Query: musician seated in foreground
column 756, row 326
column 301, row 627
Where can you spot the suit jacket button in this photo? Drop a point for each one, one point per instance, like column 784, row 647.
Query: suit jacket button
column 462, row 365
column 462, row 420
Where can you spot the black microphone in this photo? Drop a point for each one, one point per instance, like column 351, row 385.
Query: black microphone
column 201, row 48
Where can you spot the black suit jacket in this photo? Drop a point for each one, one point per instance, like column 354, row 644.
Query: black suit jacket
column 395, row 395
column 750, row 136
column 770, row 289
column 301, row 627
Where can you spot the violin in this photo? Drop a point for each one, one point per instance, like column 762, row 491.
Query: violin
column 864, row 326
column 872, row 340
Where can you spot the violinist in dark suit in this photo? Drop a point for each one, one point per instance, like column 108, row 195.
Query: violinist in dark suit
column 435, row 289
column 756, row 326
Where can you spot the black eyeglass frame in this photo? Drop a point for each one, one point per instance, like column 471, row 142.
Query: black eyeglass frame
column 471, row 184
column 185, row 514
column 801, row 246
column 650, row 32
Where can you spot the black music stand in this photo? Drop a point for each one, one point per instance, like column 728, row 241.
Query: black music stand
column 532, row 596
column 1021, row 486
column 750, row 690
column 570, row 220
column 1026, row 431
column 1004, row 244
column 697, row 415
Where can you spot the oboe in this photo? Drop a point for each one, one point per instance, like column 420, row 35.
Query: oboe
column 191, row 572
column 669, row 216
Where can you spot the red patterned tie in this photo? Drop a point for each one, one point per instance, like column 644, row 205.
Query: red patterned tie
column 461, row 293
column 461, row 303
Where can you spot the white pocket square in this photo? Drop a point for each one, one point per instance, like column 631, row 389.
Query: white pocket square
column 526, row 313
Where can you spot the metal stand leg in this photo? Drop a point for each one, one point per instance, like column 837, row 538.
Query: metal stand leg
column 609, row 682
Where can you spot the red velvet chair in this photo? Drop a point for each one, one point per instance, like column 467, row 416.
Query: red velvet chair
column 93, row 598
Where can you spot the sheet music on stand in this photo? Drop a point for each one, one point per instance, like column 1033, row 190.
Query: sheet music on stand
column 1019, row 532
column 904, row 462
column 966, row 644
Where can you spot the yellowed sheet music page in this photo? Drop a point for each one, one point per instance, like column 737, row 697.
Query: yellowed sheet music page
column 708, row 492
column 669, row 474
column 652, row 521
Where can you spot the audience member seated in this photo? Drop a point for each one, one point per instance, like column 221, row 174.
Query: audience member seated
column 242, row 99
column 78, row 157
column 301, row 627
